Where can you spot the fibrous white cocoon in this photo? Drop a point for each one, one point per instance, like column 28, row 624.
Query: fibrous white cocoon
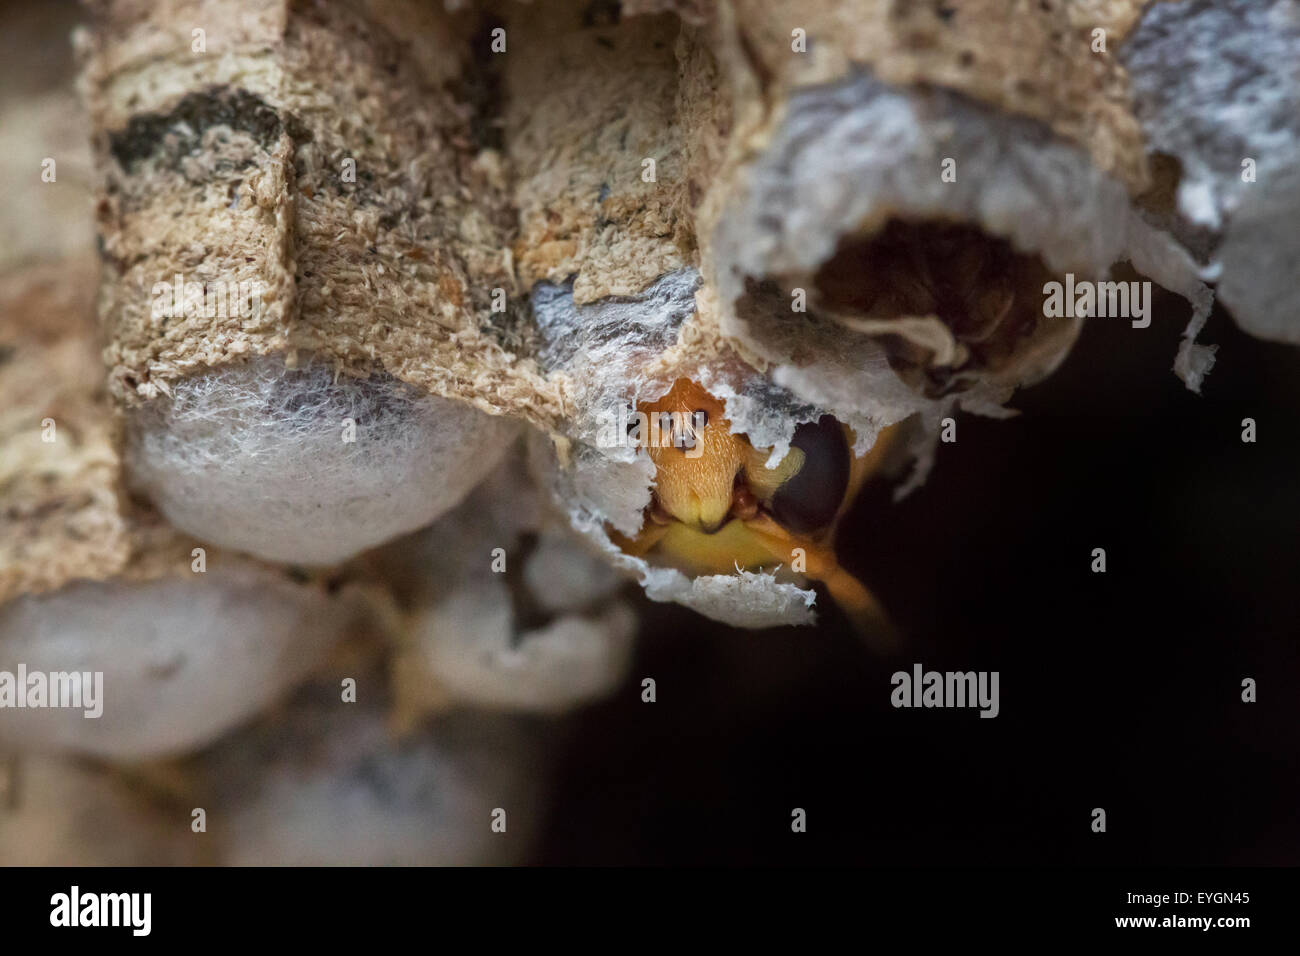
column 182, row 660
column 471, row 643
column 547, row 635
column 330, row 786
column 305, row 466
column 563, row 577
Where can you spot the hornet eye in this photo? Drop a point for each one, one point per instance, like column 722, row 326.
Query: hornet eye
column 812, row 497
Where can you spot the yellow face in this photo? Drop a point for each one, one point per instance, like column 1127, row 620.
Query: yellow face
column 717, row 508
column 703, row 478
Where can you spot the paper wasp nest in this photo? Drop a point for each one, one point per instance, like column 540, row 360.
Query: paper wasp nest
column 550, row 212
column 265, row 203
column 190, row 641
column 380, row 282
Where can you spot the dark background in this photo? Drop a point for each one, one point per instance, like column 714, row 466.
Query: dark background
column 1119, row 690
